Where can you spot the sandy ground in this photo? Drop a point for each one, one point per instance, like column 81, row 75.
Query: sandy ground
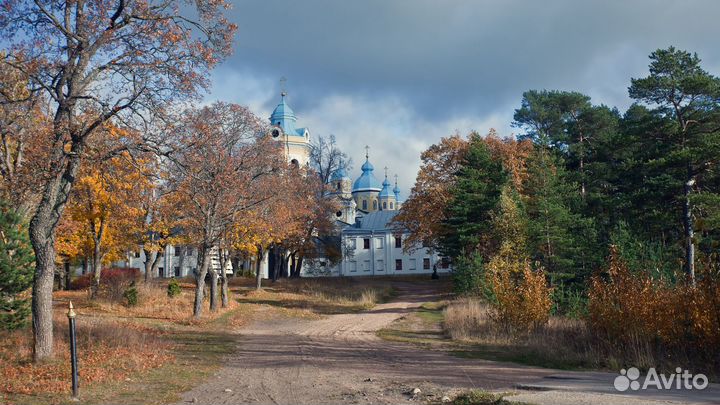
column 340, row 360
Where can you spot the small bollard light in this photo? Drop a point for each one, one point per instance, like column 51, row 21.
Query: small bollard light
column 73, row 350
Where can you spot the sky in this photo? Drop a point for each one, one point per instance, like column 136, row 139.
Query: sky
column 398, row 75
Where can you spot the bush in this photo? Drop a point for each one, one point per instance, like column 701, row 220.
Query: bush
column 522, row 297
column 636, row 306
column 16, row 269
column 469, row 277
column 173, row 288
column 113, row 281
column 131, row 295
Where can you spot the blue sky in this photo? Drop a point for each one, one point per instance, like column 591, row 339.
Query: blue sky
column 400, row 74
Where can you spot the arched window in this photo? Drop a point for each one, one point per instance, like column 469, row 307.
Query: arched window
column 375, row 204
column 339, row 185
column 384, row 205
column 365, row 205
column 391, row 206
column 295, row 163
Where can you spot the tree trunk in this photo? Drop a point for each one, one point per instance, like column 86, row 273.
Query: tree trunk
column 258, row 273
column 68, row 275
column 298, row 266
column 97, row 272
column 204, row 265
column 213, row 290
column 150, row 258
column 43, row 228
column 85, row 265
column 689, row 229
column 223, row 278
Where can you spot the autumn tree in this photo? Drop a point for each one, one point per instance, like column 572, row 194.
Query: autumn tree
column 106, row 202
column 97, row 61
column 23, row 122
column 223, row 155
column 423, row 213
column 476, row 192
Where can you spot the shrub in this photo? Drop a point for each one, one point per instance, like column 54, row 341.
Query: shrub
column 522, row 297
column 113, row 281
column 173, row 288
column 16, row 269
column 635, row 306
column 131, row 295
column 469, row 277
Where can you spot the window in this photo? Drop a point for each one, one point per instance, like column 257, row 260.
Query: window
column 177, row 252
column 161, row 272
column 426, row 263
column 353, row 243
column 190, row 251
column 295, row 163
column 380, row 266
column 391, row 206
column 379, row 243
column 445, row 262
column 413, row 264
column 338, row 214
column 339, row 186
column 322, row 263
column 366, row 243
column 398, row 241
column 177, row 271
column 352, row 266
column 137, row 254
column 384, row 205
column 365, row 205
column 375, row 204
column 398, row 264
column 366, row 265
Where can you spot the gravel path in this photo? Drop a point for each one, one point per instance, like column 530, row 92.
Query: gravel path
column 340, row 360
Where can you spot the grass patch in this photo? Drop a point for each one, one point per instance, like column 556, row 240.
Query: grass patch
column 479, row 397
column 307, row 297
column 421, row 327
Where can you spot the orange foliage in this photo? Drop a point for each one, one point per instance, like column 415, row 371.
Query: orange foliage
column 107, row 351
column 423, row 212
column 636, row 306
column 522, row 296
column 513, row 154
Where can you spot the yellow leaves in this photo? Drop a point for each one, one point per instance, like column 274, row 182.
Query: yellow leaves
column 635, row 306
column 522, row 297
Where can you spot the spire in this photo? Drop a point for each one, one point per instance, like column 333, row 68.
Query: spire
column 367, row 152
column 396, row 190
column 283, row 91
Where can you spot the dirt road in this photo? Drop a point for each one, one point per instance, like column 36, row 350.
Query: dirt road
column 340, row 360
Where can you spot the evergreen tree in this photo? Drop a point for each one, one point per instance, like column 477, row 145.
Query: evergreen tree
column 563, row 241
column 475, row 196
column 681, row 91
column 16, row 269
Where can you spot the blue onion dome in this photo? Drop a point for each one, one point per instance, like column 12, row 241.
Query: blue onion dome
column 339, row 174
column 367, row 181
column 284, row 117
column 385, row 192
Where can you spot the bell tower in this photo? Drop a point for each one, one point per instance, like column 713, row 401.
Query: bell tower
column 283, row 128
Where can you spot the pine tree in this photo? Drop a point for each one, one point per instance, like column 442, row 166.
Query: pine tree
column 562, row 240
column 475, row 196
column 16, row 269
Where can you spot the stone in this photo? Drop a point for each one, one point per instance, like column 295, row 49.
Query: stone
column 416, row 391
column 228, row 390
column 445, row 399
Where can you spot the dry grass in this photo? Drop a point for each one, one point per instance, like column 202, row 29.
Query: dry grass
column 312, row 297
column 107, row 351
column 153, row 303
column 561, row 343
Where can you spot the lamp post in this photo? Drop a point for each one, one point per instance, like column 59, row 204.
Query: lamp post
column 73, row 350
